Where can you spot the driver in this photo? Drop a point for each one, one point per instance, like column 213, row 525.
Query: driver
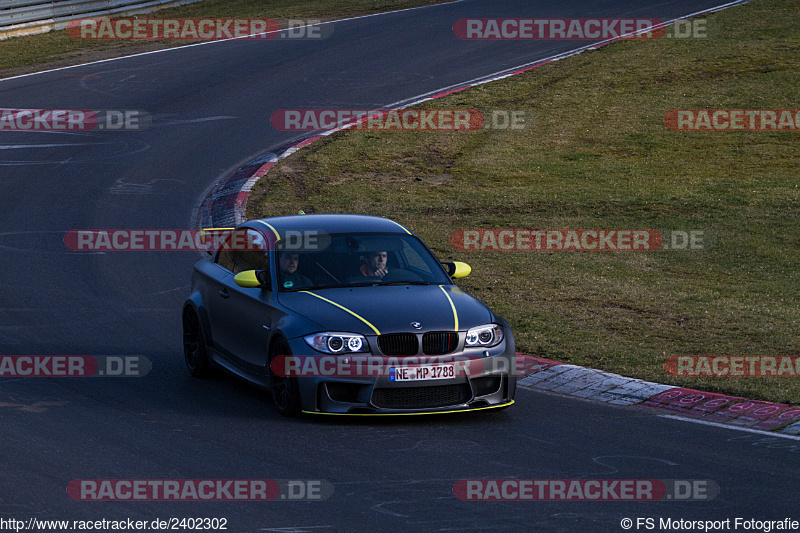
column 290, row 278
column 375, row 265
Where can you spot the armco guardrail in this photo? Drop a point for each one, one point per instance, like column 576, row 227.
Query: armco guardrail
column 26, row 17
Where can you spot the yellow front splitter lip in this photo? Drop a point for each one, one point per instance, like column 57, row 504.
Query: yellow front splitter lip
column 413, row 414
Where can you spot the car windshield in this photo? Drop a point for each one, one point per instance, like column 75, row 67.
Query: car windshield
column 353, row 260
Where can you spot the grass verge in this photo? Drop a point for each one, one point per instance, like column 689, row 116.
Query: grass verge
column 598, row 155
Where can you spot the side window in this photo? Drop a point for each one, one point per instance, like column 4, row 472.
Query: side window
column 225, row 255
column 249, row 260
column 250, row 252
column 413, row 258
column 243, row 249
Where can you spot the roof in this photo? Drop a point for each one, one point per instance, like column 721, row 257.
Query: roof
column 328, row 223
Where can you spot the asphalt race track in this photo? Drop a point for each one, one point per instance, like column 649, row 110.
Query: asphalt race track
column 211, row 106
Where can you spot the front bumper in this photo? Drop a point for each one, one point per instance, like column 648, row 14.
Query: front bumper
column 490, row 384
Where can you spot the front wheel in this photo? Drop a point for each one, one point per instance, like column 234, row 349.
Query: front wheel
column 285, row 389
column 195, row 351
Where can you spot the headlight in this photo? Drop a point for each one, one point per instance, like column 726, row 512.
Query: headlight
column 337, row 343
column 485, row 336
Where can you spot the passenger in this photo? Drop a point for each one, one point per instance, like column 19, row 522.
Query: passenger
column 290, row 278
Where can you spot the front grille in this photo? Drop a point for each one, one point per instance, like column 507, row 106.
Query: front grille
column 439, row 342
column 421, row 397
column 398, row 344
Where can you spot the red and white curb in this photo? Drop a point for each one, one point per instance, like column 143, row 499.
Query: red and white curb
column 225, row 205
column 605, row 387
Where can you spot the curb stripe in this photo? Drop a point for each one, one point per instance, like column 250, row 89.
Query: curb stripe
column 715, row 409
column 737, row 428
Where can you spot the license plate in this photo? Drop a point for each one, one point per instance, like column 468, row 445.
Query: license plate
column 422, row 372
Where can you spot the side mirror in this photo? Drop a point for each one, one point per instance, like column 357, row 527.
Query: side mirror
column 248, row 279
column 457, row 269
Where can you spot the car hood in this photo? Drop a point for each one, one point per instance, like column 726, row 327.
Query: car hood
column 388, row 309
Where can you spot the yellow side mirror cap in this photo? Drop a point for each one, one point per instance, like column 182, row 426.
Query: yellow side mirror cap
column 247, row 279
column 462, row 270
column 457, row 269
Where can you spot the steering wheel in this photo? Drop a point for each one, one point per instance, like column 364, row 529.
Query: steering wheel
column 400, row 275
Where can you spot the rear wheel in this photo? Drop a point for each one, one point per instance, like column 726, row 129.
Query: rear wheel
column 285, row 389
column 195, row 351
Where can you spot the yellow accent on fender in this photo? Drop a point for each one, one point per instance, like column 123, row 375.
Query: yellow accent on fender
column 343, row 308
column 413, row 414
column 455, row 314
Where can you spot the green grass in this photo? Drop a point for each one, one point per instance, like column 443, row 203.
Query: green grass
column 33, row 52
column 599, row 156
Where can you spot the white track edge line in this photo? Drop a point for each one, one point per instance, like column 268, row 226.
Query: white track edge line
column 215, row 41
column 736, row 428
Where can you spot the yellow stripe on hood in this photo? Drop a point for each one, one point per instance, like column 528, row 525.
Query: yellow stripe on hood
column 452, row 306
column 343, row 308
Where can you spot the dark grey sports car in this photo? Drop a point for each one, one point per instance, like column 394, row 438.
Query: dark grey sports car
column 345, row 314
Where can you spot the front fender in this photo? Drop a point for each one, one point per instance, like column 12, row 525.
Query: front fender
column 195, row 303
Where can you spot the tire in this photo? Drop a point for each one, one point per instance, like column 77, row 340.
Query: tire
column 195, row 350
column 285, row 390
